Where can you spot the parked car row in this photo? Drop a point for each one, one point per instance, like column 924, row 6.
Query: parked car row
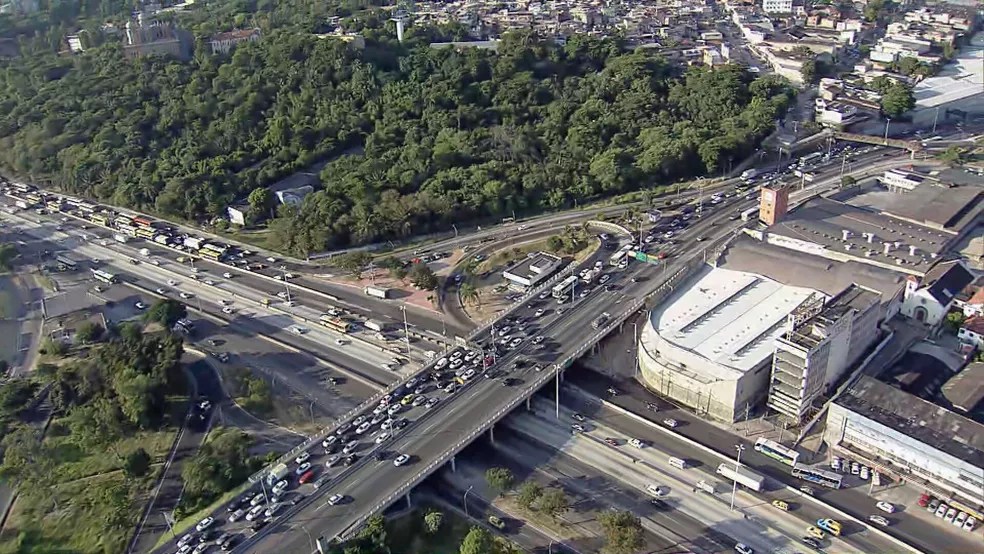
column 949, row 514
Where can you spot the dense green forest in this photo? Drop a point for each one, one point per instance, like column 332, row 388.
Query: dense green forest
column 448, row 136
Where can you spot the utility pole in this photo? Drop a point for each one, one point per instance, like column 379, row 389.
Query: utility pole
column 888, row 121
column 936, row 119
column 406, row 328
column 734, row 488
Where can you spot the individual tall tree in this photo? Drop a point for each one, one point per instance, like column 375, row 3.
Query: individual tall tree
column 260, row 203
column 423, row 277
column 478, row 541
column 897, row 99
column 433, row 521
column 167, row 312
column 499, row 479
column 554, row 502
column 136, row 463
column 623, row 531
column 529, row 493
column 469, row 294
column 87, row 332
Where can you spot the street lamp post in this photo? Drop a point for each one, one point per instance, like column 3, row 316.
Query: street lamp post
column 406, row 328
column 888, row 121
column 734, row 488
column 464, row 499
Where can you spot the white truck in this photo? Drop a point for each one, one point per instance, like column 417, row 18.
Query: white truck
column 160, row 239
column 377, row 292
column 121, row 238
column 277, row 473
column 743, row 476
column 589, row 275
column 145, row 252
column 374, row 325
column 192, row 242
column 749, row 174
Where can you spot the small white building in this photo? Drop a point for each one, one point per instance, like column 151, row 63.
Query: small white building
column 898, row 180
column 927, row 300
column 532, row 270
column 972, row 332
column 777, row 6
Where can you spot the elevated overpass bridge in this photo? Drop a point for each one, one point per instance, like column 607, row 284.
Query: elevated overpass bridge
column 910, row 145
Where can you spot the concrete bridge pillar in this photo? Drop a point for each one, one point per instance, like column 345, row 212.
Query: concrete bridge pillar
column 453, row 468
column 557, row 380
column 409, row 502
column 492, row 434
column 529, row 405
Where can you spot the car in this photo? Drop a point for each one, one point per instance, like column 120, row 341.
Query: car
column 671, row 423
column 970, row 523
column 400, row 423
column 255, row 512
column 431, row 402
column 258, row 498
column 227, row 310
column 401, row 459
column 236, row 515
column 544, row 295
column 302, row 469
column 865, row 473
column 272, row 510
column 537, row 339
column 742, row 548
column 950, row 514
column 330, row 440
column 932, row 505
column 227, row 275
column 335, row 499
column 923, row 500
column 577, row 428
column 332, row 460
column 226, row 543
column 515, row 342
column 611, row 441
column 280, row 487
column 960, row 519
column 879, row 520
column 816, row 532
column 407, row 399
column 185, row 539
column 812, row 542
column 350, row 447
column 782, row 505
column 584, row 293
column 885, row 507
column 160, row 290
column 394, row 409
column 302, row 457
column 140, row 306
column 185, row 549
column 941, row 510
column 235, row 505
column 855, row 468
column 172, row 282
column 539, row 312
column 468, row 374
column 419, row 400
column 382, row 437
column 378, row 418
column 637, row 443
column 656, row 490
column 205, row 524
column 578, row 417
column 185, row 295
column 497, row 522
column 363, row 428
column 259, row 524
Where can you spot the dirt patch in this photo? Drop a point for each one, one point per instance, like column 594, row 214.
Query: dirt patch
column 401, row 290
column 557, row 528
column 270, row 400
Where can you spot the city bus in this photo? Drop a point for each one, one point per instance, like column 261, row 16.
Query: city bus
column 129, row 230
column 817, row 476
column 99, row 219
column 335, row 323
column 218, row 248
column 85, row 207
column 141, row 221
column 66, row 264
column 565, row 287
column 810, row 158
column 210, row 254
column 777, row 451
column 619, row 256
column 104, row 276
column 145, row 232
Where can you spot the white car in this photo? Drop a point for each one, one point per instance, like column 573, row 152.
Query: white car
column 671, row 423
column 140, row 306
column 468, row 374
column 742, row 548
column 205, row 524
column 280, row 487
column 210, row 282
column 160, row 290
column 350, row 447
column 960, row 519
column 172, row 282
column 254, row 512
column 302, row 468
column 257, row 499
column 886, row 507
column 383, row 437
column 401, row 459
column 637, row 443
column 879, row 520
column 329, row 441
column 539, row 312
column 272, row 510
column 272, row 260
column 227, row 275
column 656, row 490
column 185, row 295
column 394, row 409
column 227, row 310
column 335, row 499
column 236, row 516
column 363, row 428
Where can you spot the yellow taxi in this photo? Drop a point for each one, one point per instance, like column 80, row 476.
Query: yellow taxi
column 407, row 399
column 815, row 532
column 781, row 505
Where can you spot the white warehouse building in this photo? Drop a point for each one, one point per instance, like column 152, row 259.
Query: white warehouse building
column 710, row 345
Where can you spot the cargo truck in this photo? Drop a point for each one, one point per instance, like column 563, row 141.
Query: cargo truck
column 378, row 326
column 194, row 243
column 277, row 473
column 749, row 174
column 377, row 292
column 743, row 476
column 145, row 252
column 120, row 238
column 161, row 239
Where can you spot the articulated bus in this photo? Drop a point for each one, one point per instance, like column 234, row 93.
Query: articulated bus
column 335, row 323
column 565, row 287
column 777, row 451
column 104, row 276
column 821, row 477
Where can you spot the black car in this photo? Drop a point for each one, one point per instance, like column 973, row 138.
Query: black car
column 259, row 524
column 400, row 423
column 235, row 505
column 228, row 543
column 350, row 459
column 207, row 535
column 812, row 543
column 509, row 382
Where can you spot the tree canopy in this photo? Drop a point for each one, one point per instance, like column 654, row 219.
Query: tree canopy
column 418, row 138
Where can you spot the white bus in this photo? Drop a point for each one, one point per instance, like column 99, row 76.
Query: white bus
column 620, row 256
column 818, row 476
column 777, row 451
column 810, row 158
column 104, row 276
column 565, row 287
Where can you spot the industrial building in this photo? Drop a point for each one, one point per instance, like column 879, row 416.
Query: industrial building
column 905, row 436
column 822, row 341
column 532, row 270
column 710, row 345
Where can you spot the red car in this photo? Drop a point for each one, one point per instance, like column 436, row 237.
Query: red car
column 307, row 476
column 924, row 500
column 611, row 442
